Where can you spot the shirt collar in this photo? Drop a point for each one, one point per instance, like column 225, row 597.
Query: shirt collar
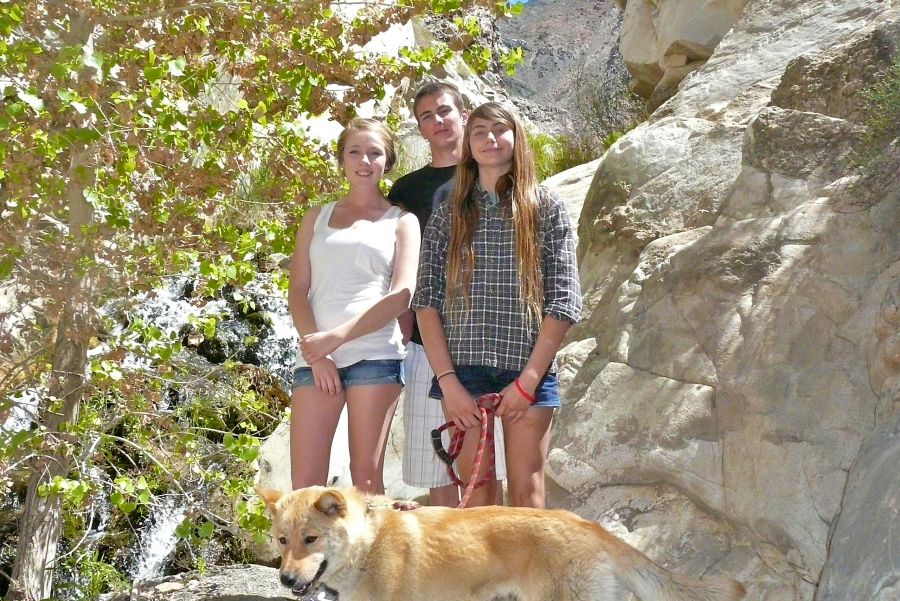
column 489, row 198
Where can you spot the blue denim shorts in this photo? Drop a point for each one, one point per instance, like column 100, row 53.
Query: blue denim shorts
column 479, row 379
column 362, row 373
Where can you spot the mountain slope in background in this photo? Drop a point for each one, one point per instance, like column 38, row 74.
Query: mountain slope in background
column 568, row 45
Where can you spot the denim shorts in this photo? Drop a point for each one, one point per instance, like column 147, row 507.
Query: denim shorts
column 479, row 379
column 362, row 373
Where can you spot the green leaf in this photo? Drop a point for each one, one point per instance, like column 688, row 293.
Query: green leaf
column 36, row 104
column 79, row 491
column 206, row 530
column 6, row 267
column 153, row 74
column 176, row 67
column 184, row 529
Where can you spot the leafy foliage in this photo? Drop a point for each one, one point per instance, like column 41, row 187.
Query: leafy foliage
column 879, row 159
column 884, row 106
column 556, row 153
column 547, row 152
column 139, row 139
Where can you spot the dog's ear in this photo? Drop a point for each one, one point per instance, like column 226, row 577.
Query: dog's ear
column 332, row 504
column 270, row 496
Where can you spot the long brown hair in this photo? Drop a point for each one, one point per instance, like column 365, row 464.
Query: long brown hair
column 517, row 191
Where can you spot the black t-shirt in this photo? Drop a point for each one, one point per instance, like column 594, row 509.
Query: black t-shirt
column 420, row 192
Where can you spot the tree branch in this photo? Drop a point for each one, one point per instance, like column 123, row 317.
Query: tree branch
column 225, row 4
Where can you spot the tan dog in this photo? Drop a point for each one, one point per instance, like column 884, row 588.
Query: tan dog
column 360, row 547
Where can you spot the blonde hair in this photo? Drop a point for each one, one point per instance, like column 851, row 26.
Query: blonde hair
column 381, row 131
column 517, row 191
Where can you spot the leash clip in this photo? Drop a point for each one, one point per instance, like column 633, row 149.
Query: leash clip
column 438, row 445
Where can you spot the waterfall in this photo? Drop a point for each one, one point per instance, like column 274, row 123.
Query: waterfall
column 23, row 408
column 259, row 309
column 158, row 540
column 280, row 348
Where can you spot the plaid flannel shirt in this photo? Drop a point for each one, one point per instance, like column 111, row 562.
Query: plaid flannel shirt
column 494, row 332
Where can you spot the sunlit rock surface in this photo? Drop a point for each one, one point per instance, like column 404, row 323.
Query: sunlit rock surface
column 740, row 342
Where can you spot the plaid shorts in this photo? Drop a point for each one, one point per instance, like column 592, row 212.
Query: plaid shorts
column 421, row 467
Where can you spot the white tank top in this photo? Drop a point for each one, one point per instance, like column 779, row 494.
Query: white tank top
column 351, row 271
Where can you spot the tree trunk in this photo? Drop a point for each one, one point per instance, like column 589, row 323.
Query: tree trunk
column 39, row 526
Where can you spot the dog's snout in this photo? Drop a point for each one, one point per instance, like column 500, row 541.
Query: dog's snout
column 288, row 580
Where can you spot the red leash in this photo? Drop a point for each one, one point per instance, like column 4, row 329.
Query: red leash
column 486, row 404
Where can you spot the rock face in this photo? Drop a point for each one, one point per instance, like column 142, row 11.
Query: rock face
column 664, row 40
column 739, row 355
column 568, row 45
column 572, row 186
column 865, row 550
column 231, row 583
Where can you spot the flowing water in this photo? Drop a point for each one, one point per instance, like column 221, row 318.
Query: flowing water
column 158, row 540
column 175, row 311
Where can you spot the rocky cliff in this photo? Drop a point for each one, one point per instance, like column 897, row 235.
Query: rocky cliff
column 733, row 392
column 664, row 40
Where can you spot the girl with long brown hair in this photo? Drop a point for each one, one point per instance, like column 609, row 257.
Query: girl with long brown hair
column 497, row 291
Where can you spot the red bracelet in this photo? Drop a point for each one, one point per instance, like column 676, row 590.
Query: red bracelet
column 528, row 397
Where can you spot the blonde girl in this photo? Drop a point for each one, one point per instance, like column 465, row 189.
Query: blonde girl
column 353, row 272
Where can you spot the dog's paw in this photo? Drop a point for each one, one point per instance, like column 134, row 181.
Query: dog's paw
column 406, row 505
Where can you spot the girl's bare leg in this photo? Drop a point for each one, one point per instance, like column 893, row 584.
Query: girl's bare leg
column 314, row 418
column 527, row 444
column 487, row 494
column 370, row 410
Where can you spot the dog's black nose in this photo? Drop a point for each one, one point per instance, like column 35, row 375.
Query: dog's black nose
column 288, row 580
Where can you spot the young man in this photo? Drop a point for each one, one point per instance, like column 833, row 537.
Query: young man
column 441, row 115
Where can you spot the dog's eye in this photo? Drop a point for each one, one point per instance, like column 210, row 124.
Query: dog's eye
column 282, row 540
column 310, row 539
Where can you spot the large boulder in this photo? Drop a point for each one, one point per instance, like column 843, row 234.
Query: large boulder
column 664, row 40
column 572, row 186
column 740, row 343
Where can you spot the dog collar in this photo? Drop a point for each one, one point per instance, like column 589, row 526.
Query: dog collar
column 393, row 506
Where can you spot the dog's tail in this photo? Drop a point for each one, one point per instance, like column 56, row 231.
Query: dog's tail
column 651, row 582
